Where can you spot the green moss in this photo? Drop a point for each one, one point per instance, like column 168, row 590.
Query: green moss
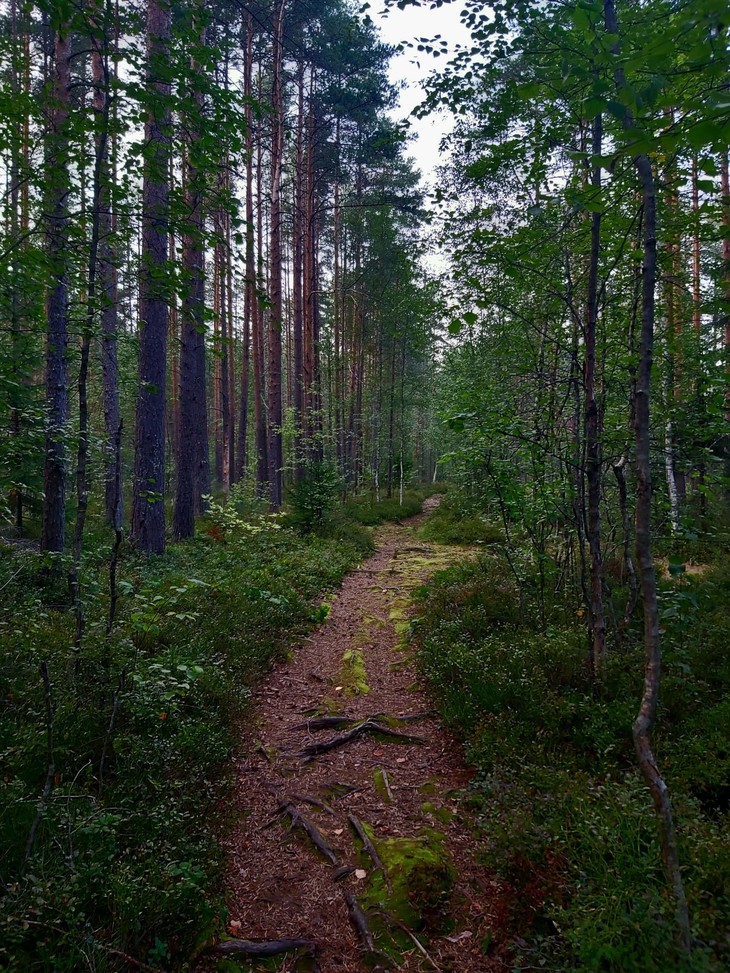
column 353, row 675
column 438, row 812
column 380, row 787
column 422, row 878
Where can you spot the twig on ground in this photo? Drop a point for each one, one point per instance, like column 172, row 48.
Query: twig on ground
column 416, row 942
column 370, row 848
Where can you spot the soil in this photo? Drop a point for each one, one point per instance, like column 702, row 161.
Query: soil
column 358, row 664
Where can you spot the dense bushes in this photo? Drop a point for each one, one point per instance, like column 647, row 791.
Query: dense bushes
column 125, row 856
column 567, row 824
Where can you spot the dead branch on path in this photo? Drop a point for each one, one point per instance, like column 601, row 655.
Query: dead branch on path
column 370, row 848
column 244, row 947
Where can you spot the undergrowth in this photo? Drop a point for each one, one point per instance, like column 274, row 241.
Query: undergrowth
column 566, row 822
column 125, row 857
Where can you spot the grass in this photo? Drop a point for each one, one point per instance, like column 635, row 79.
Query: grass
column 567, row 824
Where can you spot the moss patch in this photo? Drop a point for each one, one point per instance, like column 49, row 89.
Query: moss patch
column 353, row 675
column 380, row 787
column 422, row 878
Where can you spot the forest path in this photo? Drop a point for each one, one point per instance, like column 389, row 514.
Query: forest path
column 402, row 792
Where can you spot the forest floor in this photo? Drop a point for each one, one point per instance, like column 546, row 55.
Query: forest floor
column 400, row 778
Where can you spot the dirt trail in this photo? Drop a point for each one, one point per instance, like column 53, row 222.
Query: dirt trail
column 280, row 886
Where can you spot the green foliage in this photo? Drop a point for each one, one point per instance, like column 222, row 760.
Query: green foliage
column 568, row 824
column 312, row 498
column 371, row 512
column 125, row 856
column 455, row 522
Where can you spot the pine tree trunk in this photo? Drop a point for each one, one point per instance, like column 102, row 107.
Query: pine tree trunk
column 193, row 462
column 148, row 507
column 107, row 274
column 276, row 457
column 57, row 303
column 249, row 294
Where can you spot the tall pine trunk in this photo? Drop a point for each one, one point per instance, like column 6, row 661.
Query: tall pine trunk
column 193, row 461
column 276, row 456
column 148, row 506
column 57, row 302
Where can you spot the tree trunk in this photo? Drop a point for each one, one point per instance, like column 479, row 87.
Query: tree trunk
column 107, row 276
column 276, row 456
column 148, row 507
column 57, row 302
column 648, row 708
column 193, row 462
column 592, row 424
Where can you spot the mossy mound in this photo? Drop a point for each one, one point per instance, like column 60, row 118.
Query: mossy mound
column 353, row 675
column 422, row 879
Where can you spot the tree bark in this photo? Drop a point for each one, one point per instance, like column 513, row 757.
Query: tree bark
column 592, row 423
column 249, row 296
column 276, row 456
column 57, row 302
column 648, row 707
column 107, row 274
column 148, row 507
column 193, row 462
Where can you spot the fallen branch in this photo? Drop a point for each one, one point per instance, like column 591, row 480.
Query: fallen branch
column 370, row 848
column 243, row 947
column 386, row 783
column 367, row 726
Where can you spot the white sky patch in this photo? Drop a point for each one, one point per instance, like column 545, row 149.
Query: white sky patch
column 413, row 66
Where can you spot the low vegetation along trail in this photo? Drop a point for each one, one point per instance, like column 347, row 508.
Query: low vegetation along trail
column 347, row 835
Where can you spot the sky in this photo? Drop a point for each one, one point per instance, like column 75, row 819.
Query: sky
column 405, row 25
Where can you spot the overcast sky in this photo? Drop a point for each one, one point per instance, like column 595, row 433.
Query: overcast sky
column 405, row 25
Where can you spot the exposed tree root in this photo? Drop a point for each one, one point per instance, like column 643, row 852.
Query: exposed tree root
column 340, row 722
column 370, row 848
column 414, row 939
column 367, row 726
column 359, row 921
column 362, row 928
column 342, row 872
column 312, row 832
column 243, row 947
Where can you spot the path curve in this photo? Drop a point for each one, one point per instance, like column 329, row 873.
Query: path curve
column 357, row 663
